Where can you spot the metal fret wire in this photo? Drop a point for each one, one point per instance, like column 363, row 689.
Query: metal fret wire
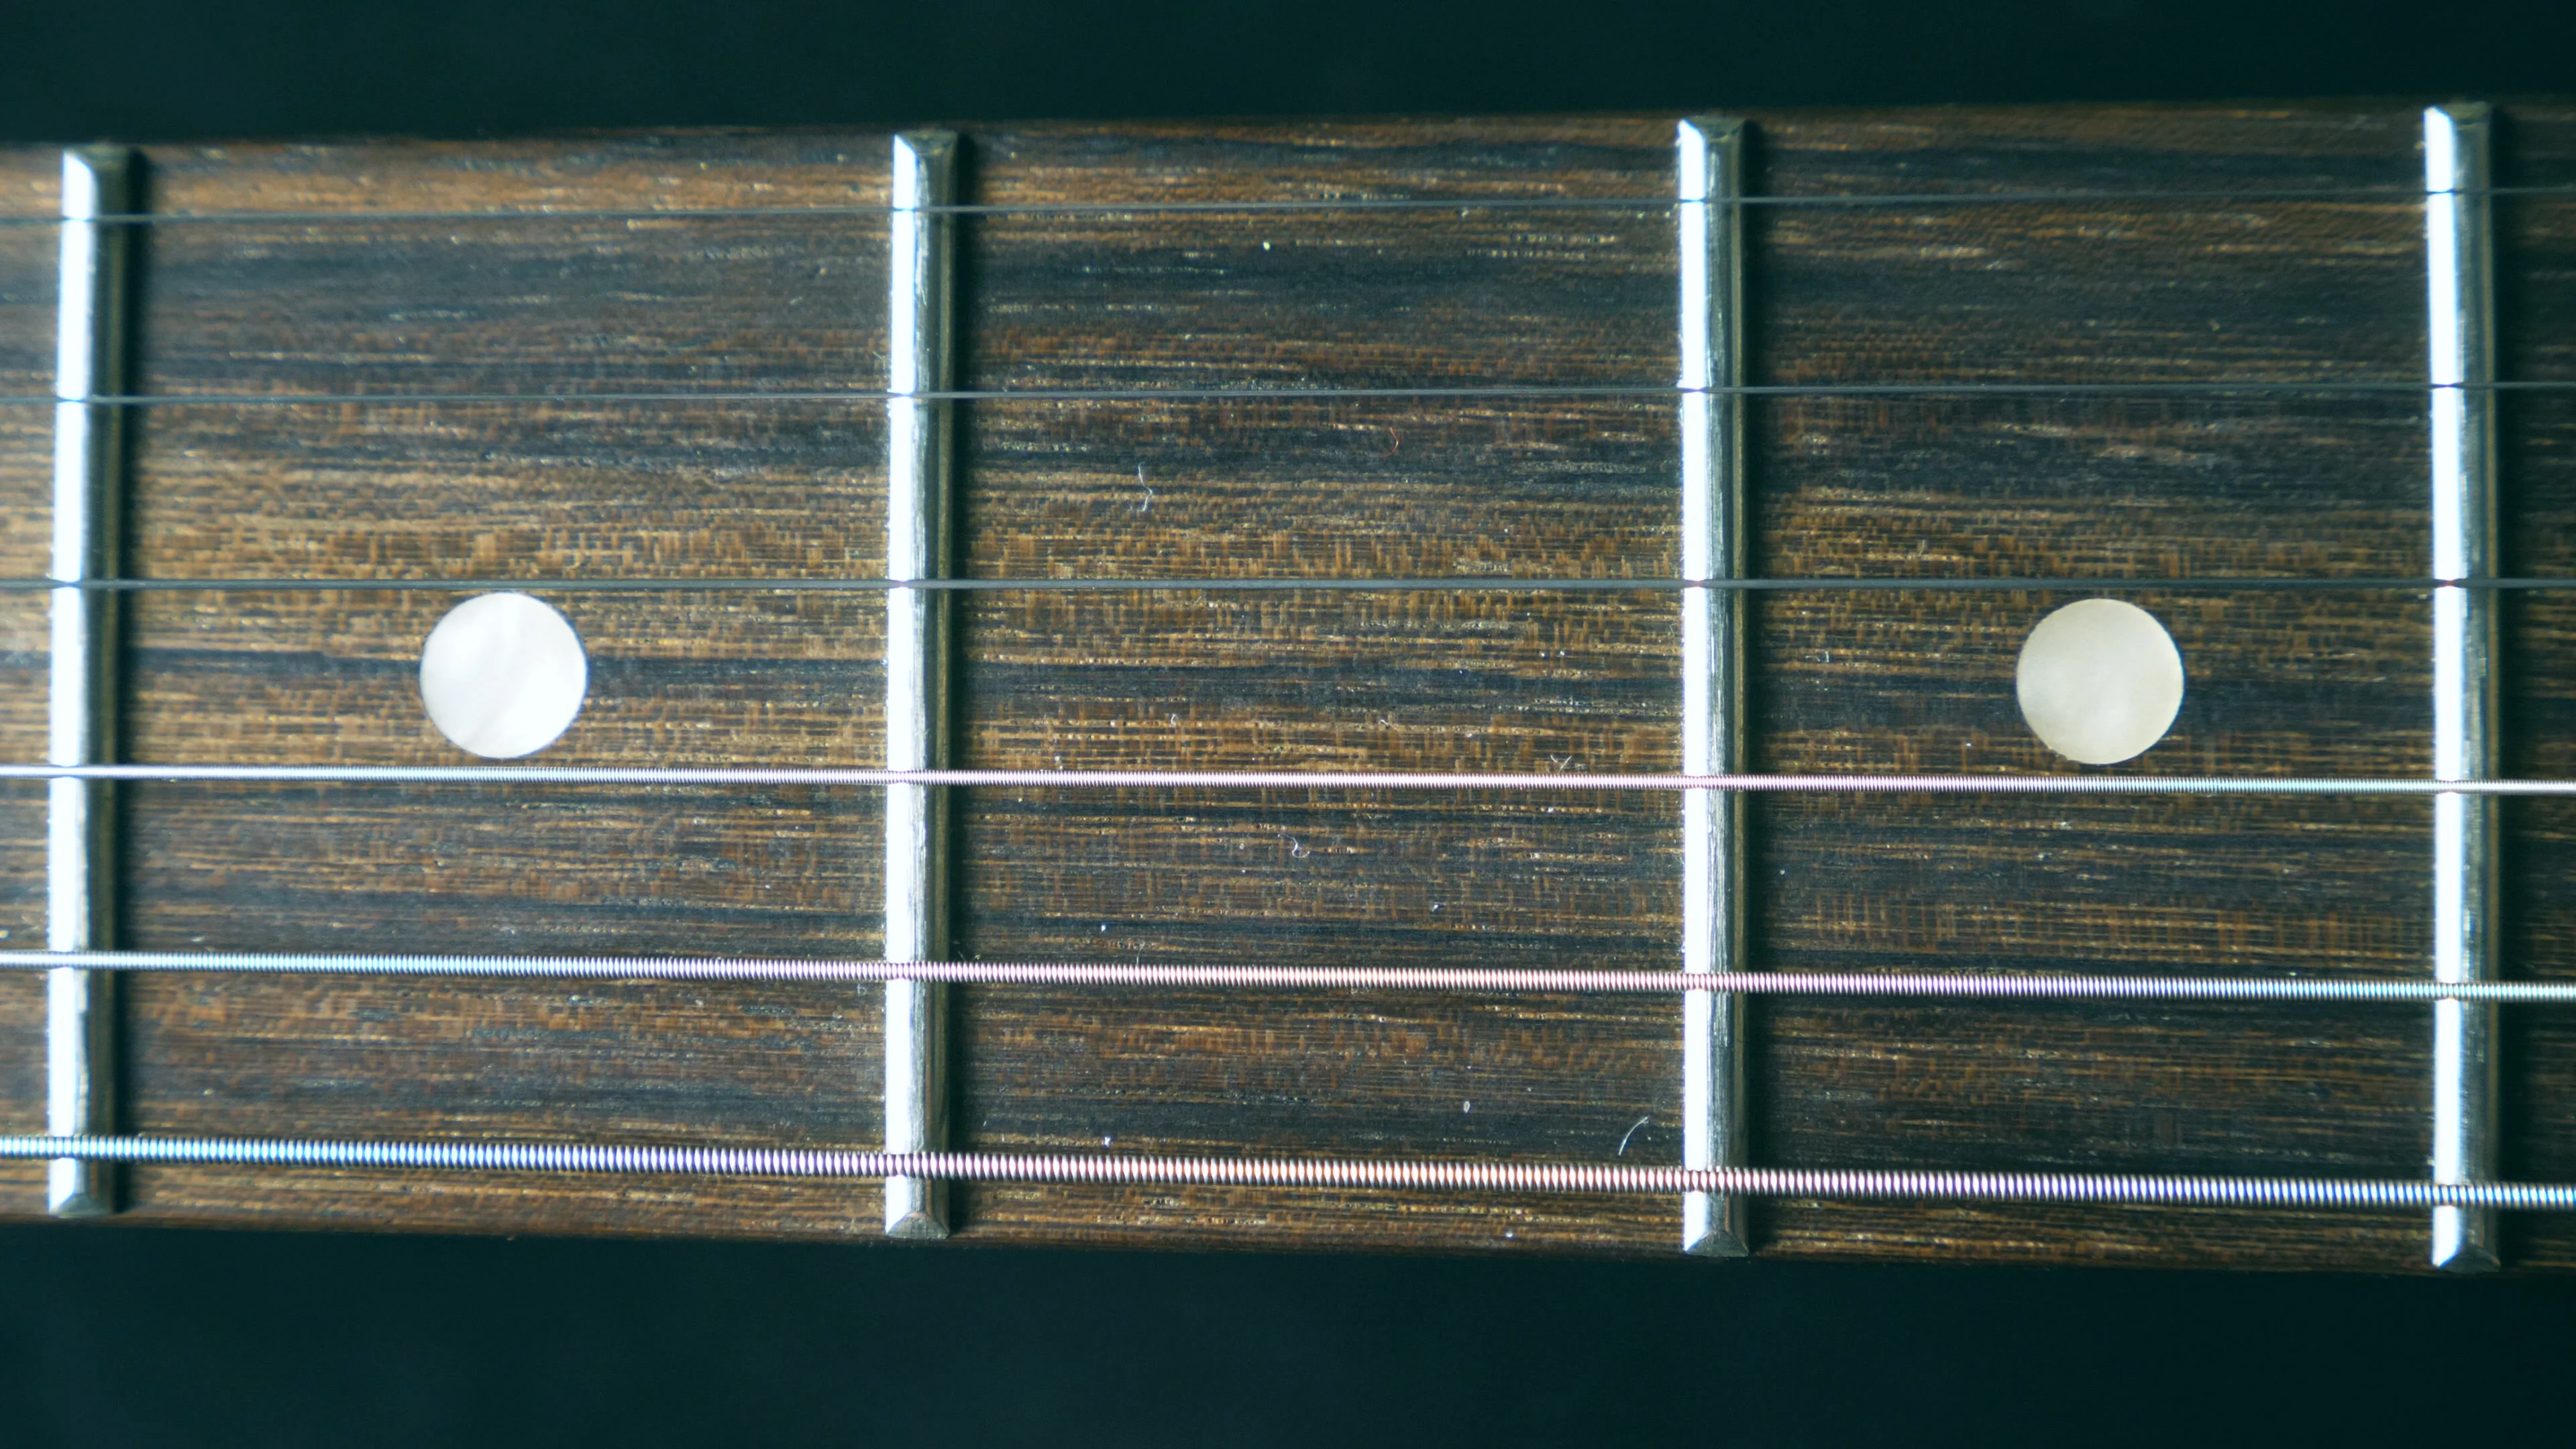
column 1958, row 986
column 1140, row 1169
column 824, row 775
column 920, row 504
column 93, row 300
column 2459, row 264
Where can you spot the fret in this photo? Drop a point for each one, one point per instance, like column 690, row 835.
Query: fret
column 81, row 658
column 2273, row 486
column 2460, row 268
column 918, row 648
column 1710, row 163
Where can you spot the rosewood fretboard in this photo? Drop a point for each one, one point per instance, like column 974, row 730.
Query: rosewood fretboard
column 534, row 360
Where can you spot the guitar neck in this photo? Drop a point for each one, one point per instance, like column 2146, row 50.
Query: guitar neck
column 2172, row 355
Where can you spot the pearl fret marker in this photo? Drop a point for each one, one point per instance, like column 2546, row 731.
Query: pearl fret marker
column 2100, row 681
column 503, row 675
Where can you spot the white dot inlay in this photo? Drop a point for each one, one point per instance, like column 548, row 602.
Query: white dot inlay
column 503, row 675
column 2100, row 681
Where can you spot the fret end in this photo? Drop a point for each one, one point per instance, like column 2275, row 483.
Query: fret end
column 916, row 1210
column 1713, row 1226
column 2464, row 1240
column 76, row 1188
column 1714, row 130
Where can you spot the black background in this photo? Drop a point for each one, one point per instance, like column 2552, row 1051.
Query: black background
column 113, row 1337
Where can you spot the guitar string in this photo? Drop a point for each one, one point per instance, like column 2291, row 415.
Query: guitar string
column 1384, row 1174
column 1214, row 585
column 1950, row 985
column 2398, row 194
column 1466, row 585
column 1299, row 394
column 1324, row 781
column 1573, row 781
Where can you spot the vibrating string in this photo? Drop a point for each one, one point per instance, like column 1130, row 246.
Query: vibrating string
column 2324, row 387
column 1573, row 782
column 1364, row 1175
column 1967, row 986
column 1266, row 585
column 1315, row 205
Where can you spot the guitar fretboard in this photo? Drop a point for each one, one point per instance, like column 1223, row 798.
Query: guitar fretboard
column 1328, row 455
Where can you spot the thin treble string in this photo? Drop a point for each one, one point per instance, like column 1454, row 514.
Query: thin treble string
column 830, row 776
column 1298, row 394
column 1317, row 205
column 1466, row 585
column 1956, row 985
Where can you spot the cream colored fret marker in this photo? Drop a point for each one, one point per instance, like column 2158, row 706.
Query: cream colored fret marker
column 2099, row 681
column 503, row 675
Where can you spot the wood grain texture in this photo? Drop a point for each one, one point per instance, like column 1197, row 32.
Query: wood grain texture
column 266, row 294
column 2540, row 234
column 515, row 305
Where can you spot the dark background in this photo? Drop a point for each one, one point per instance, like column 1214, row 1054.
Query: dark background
column 113, row 1337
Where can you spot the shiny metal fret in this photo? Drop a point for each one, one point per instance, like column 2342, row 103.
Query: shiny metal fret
column 1711, row 165
column 917, row 547
column 2459, row 268
column 89, row 362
